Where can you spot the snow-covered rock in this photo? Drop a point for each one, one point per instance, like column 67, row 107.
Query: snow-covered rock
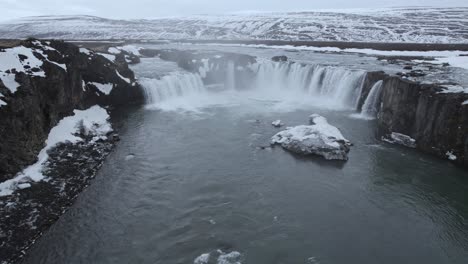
column 451, row 156
column 400, row 139
column 90, row 122
column 277, row 123
column 319, row 138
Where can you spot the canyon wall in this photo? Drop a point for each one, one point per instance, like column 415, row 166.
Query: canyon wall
column 35, row 99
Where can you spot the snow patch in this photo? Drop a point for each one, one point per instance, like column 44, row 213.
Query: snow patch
column 93, row 121
column 202, row 259
column 465, row 103
column 9, row 81
column 131, row 49
column 221, row 257
column 454, row 89
column 451, row 156
column 127, row 80
column 233, row 257
column 400, row 139
column 10, row 59
column 108, row 56
column 277, row 123
column 86, row 51
column 113, row 50
column 105, row 88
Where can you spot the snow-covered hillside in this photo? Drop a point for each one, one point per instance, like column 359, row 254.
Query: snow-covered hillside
column 421, row 25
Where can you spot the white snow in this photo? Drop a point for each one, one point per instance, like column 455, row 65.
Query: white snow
column 319, row 138
column 454, row 89
column 202, row 259
column 113, row 50
column 127, row 80
column 233, row 257
column 400, row 139
column 454, row 61
column 410, row 25
column 105, row 88
column 2, row 103
column 131, row 49
column 9, row 81
column 83, row 85
column 93, row 121
column 108, row 56
column 451, row 156
column 465, row 103
column 277, row 123
column 9, row 59
column 85, row 51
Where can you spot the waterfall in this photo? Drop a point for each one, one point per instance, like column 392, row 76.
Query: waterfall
column 230, row 76
column 291, row 83
column 339, row 86
column 172, row 86
column 371, row 105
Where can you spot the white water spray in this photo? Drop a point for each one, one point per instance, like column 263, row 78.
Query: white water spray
column 172, row 86
column 339, row 87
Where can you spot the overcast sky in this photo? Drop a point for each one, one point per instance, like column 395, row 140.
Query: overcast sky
column 155, row 8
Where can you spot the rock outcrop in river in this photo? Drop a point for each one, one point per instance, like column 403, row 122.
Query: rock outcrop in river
column 318, row 138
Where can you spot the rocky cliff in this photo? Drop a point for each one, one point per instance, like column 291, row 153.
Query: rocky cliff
column 433, row 117
column 42, row 82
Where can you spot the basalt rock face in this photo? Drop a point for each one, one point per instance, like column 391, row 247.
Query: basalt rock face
column 39, row 103
column 437, row 121
column 214, row 67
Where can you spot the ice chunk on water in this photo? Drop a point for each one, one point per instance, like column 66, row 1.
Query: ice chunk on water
column 319, row 138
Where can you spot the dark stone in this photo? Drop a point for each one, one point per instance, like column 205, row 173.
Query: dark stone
column 437, row 121
column 280, row 58
column 22, row 57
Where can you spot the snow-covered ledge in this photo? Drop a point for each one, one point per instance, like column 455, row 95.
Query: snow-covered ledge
column 91, row 122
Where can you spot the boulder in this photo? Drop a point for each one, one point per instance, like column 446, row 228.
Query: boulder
column 319, row 138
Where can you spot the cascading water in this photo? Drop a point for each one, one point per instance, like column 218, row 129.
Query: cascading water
column 293, row 84
column 230, row 82
column 172, row 86
column 370, row 108
column 339, row 86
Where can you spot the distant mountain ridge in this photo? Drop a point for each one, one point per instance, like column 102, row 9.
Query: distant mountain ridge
column 415, row 25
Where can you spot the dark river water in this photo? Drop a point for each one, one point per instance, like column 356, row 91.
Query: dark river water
column 189, row 186
column 198, row 183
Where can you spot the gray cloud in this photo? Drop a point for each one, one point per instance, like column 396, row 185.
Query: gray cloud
column 155, row 8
